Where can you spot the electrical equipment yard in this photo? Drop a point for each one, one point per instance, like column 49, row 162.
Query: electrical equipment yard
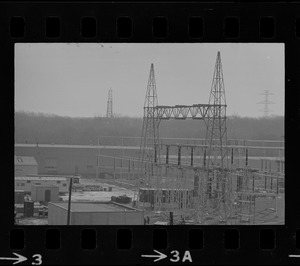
column 211, row 181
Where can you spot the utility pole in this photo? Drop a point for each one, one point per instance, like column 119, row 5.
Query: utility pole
column 171, row 218
column 69, row 202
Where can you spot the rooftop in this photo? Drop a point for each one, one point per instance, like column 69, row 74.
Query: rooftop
column 53, row 176
column 167, row 188
column 45, row 186
column 95, row 207
column 75, row 146
column 25, row 160
column 39, row 178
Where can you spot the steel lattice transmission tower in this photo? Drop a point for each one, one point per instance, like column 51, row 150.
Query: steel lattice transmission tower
column 109, row 112
column 216, row 130
column 216, row 165
column 266, row 103
column 150, row 152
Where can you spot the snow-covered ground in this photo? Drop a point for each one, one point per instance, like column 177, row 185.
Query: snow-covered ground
column 98, row 195
column 32, row 221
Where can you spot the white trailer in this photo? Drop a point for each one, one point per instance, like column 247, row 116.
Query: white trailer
column 25, row 183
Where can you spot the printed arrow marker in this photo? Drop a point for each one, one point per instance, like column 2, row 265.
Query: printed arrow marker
column 160, row 256
column 19, row 258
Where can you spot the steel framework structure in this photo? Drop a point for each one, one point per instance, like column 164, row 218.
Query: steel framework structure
column 214, row 115
column 149, row 152
column 216, row 130
column 216, row 142
column 213, row 191
column 266, row 103
column 109, row 111
column 195, row 111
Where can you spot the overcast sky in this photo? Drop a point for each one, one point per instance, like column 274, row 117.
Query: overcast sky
column 74, row 79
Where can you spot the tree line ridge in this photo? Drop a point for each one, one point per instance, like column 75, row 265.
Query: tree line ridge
column 44, row 128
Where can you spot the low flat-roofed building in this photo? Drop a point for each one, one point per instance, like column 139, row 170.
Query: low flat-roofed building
column 19, row 196
column 94, row 213
column 45, row 193
column 76, row 178
column 26, row 182
column 25, row 165
column 73, row 159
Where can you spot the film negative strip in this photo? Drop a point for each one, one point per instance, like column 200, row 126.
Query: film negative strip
column 185, row 203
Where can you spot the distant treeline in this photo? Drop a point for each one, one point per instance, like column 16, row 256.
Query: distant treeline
column 43, row 128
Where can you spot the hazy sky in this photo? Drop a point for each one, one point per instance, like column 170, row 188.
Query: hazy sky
column 74, row 79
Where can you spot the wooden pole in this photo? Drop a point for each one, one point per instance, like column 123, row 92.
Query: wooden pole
column 69, row 202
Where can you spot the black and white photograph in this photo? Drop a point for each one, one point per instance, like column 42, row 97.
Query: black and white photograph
column 149, row 134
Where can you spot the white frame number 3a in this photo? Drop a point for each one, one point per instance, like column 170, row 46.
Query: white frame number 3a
column 176, row 256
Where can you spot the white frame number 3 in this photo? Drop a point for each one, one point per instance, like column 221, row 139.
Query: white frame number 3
column 176, row 256
column 38, row 258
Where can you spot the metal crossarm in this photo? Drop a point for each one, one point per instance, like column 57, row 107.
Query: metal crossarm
column 195, row 111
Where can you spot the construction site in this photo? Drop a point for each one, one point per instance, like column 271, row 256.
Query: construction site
column 209, row 181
